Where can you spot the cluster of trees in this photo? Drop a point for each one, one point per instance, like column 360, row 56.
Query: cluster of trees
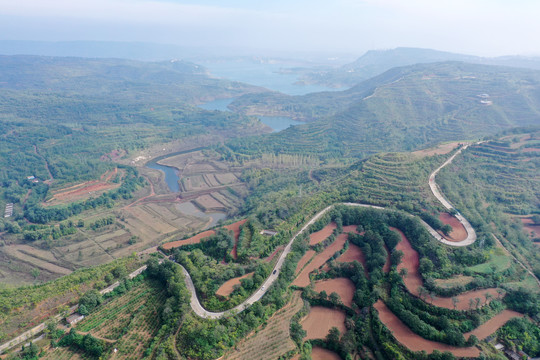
column 208, row 274
column 43, row 232
column 521, row 334
column 89, row 301
column 87, row 343
column 109, row 220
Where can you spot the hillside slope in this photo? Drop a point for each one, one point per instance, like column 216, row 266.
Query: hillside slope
column 402, row 109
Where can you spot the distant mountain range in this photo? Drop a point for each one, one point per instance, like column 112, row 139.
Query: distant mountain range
column 375, row 62
column 122, row 80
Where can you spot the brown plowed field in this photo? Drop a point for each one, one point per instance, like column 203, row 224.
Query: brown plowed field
column 228, row 286
column 192, row 240
column 350, row 228
column 322, row 234
column 318, row 353
column 236, row 230
column 197, row 238
column 342, row 286
column 413, row 341
column 353, row 253
column 493, row 324
column 531, row 229
column 91, row 188
column 303, row 261
column 320, row 320
column 458, row 232
column 438, row 150
column 413, row 280
column 319, row 260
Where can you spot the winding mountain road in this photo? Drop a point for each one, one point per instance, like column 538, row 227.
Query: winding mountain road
column 200, row 311
column 471, row 238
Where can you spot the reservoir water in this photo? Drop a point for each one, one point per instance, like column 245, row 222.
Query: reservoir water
column 171, row 175
column 267, row 75
column 277, row 123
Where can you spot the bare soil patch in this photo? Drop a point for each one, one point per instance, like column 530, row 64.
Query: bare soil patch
column 197, row 238
column 192, row 240
column 413, row 281
column 319, row 260
column 236, row 230
column 458, row 232
column 532, row 230
column 353, row 253
column 493, row 324
column 83, row 190
column 304, row 260
column 320, row 320
column 318, row 353
column 438, row 150
column 413, row 341
column 342, row 286
column 228, row 286
column 321, row 235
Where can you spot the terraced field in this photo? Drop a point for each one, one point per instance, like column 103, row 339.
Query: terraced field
column 272, row 340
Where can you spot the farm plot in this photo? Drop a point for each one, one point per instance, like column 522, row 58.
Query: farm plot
column 30, row 259
column 318, row 353
column 226, row 178
column 304, row 260
column 321, row 235
column 228, row 286
column 319, row 260
column 320, row 320
column 85, row 190
column 493, row 324
column 532, row 230
column 353, row 253
column 342, row 286
column 272, row 340
column 208, row 203
column 63, row 353
column 413, row 341
column 130, row 320
column 413, row 281
column 194, row 183
column 458, row 232
column 235, row 227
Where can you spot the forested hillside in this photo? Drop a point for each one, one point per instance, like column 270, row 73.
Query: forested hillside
column 403, row 109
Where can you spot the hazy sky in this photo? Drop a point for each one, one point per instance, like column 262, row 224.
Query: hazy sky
column 478, row 27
